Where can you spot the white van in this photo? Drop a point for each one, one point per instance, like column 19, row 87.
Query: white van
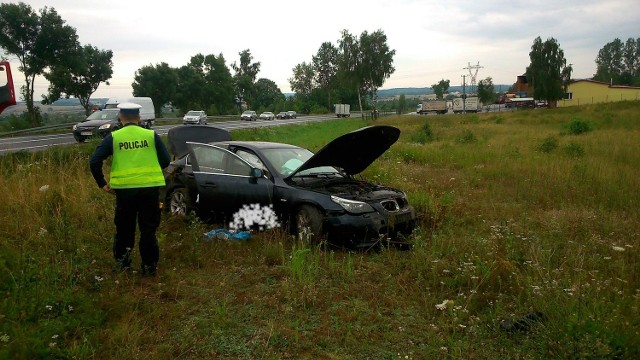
column 147, row 112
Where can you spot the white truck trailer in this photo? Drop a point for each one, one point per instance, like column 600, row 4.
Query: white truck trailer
column 343, row 110
column 470, row 105
column 432, row 106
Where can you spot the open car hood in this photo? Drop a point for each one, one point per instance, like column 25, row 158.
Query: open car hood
column 355, row 151
column 179, row 135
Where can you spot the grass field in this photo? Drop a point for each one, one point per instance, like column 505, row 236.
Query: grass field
column 527, row 247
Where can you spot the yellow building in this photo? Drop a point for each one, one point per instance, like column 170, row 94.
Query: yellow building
column 584, row 92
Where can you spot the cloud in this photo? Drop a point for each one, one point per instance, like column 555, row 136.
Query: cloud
column 433, row 40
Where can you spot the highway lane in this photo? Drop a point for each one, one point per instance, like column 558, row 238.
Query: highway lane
column 40, row 142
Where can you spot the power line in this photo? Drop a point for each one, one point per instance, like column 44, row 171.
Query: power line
column 473, row 74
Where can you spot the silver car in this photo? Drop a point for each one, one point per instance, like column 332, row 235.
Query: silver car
column 195, row 117
column 267, row 115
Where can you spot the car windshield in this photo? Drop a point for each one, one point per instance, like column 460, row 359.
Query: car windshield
column 109, row 114
column 193, row 113
column 286, row 161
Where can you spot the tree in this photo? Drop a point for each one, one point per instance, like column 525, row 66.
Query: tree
column 619, row 63
column 190, row 90
column 325, row 67
column 159, row 82
column 245, row 75
column 302, row 81
column 548, row 70
column 376, row 62
column 80, row 76
column 349, row 63
column 402, row 104
column 486, row 91
column 38, row 41
column 267, row 94
column 365, row 62
column 219, row 85
column 440, row 88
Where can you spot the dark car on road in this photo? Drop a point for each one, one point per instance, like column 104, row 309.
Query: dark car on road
column 99, row 123
column 292, row 114
column 282, row 115
column 314, row 195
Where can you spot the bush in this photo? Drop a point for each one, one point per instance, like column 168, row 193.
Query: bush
column 574, row 150
column 548, row 145
column 577, row 127
column 467, row 137
column 425, row 135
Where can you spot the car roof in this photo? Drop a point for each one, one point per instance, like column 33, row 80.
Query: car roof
column 257, row 145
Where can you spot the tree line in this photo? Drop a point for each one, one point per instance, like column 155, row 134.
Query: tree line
column 349, row 71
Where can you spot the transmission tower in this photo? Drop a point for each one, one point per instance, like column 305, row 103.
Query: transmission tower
column 473, row 73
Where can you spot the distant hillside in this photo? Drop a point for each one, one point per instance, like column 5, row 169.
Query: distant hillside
column 427, row 90
column 76, row 102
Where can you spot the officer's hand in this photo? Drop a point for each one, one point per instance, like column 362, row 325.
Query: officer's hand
column 108, row 189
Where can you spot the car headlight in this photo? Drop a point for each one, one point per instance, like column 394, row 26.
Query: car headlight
column 75, row 127
column 352, row 206
column 104, row 126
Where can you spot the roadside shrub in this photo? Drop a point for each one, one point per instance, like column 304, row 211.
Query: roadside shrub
column 548, row 145
column 574, row 150
column 425, row 134
column 497, row 119
column 577, row 127
column 467, row 137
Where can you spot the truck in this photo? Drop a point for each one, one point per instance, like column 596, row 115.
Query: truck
column 432, row 106
column 470, row 105
column 147, row 111
column 343, row 110
column 7, row 92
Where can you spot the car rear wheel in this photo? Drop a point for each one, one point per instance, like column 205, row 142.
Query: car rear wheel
column 308, row 224
column 180, row 202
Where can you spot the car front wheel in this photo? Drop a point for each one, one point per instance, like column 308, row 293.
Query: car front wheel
column 180, row 202
column 308, row 224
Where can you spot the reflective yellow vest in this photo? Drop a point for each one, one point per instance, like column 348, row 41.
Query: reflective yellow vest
column 135, row 162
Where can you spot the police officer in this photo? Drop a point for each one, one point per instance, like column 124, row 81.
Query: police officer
column 138, row 157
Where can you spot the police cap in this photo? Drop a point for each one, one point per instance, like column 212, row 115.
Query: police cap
column 129, row 108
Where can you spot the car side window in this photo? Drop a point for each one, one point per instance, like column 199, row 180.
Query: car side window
column 252, row 159
column 209, row 159
column 236, row 166
column 213, row 159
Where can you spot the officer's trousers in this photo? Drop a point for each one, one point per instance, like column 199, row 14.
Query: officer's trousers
column 139, row 205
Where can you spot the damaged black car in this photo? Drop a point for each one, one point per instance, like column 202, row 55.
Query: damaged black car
column 316, row 196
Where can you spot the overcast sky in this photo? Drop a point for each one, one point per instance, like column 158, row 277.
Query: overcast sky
column 433, row 40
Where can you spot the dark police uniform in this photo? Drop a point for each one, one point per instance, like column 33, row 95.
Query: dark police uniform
column 138, row 157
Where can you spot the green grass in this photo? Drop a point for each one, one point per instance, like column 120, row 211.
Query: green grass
column 517, row 213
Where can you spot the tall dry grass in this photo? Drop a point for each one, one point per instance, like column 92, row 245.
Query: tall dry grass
column 517, row 216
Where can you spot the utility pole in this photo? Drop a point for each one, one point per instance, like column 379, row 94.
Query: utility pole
column 473, row 74
column 464, row 95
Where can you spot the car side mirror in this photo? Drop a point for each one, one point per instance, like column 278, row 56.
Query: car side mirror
column 256, row 173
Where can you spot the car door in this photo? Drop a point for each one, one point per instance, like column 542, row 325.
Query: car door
column 225, row 182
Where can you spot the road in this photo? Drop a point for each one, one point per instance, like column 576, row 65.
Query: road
column 40, row 142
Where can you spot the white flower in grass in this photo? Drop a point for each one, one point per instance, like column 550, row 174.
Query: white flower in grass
column 44, row 188
column 444, row 304
column 618, row 248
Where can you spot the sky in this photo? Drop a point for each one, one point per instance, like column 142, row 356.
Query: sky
column 433, row 40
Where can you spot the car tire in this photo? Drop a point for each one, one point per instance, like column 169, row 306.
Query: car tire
column 308, row 224
column 80, row 139
column 180, row 202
